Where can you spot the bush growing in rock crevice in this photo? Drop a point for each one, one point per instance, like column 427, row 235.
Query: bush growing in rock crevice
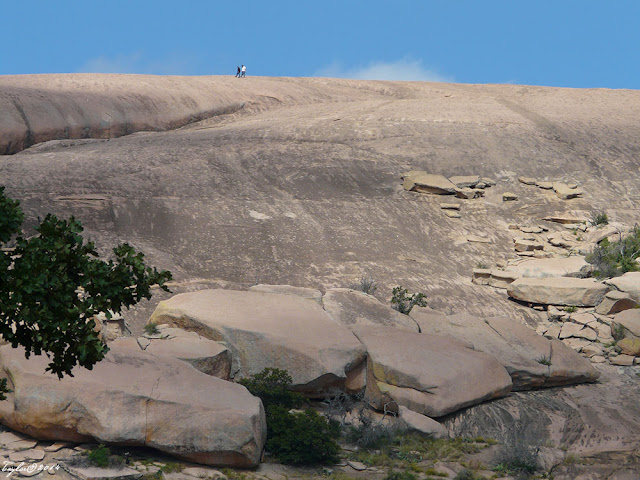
column 297, row 438
column 612, row 259
column 404, row 302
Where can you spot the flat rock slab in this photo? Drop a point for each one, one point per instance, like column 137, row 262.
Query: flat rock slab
column 351, row 308
column 135, row 398
column 428, row 374
column 518, row 348
column 565, row 219
column 579, row 292
column 573, row 266
column 465, row 181
column 95, row 473
column 271, row 330
column 423, row 182
column 202, row 353
column 34, row 455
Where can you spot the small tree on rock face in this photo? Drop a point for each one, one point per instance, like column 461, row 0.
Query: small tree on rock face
column 52, row 284
column 404, row 303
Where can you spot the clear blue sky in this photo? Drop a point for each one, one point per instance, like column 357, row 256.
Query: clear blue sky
column 560, row 42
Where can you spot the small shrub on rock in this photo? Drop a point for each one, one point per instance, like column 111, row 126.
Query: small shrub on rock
column 366, row 284
column 599, row 217
column 404, row 302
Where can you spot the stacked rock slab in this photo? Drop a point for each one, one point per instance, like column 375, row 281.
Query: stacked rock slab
column 573, row 266
column 580, row 292
column 628, row 283
column 627, row 323
column 532, row 360
column 135, row 398
column 203, row 354
column 423, row 182
column 272, row 330
column 427, row 374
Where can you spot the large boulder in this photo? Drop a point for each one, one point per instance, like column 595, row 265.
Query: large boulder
column 580, row 292
column 573, row 266
column 135, row 398
column 203, row 354
column 352, row 308
column 532, row 361
column 272, row 330
column 628, row 283
column 614, row 302
column 423, row 182
column 428, row 374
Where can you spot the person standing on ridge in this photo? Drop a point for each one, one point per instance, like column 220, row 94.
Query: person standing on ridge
column 244, row 71
column 238, row 73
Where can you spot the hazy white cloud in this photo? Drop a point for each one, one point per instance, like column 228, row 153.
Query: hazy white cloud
column 137, row 62
column 404, row 69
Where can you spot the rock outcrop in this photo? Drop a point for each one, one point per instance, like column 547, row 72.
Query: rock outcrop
column 135, row 398
column 428, row 374
column 580, row 292
column 272, row 330
column 531, row 360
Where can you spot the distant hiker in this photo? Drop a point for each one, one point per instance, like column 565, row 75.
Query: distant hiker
column 244, row 71
column 238, row 73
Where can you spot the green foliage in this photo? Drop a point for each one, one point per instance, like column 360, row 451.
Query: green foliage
column 599, row 217
column 404, row 302
column 544, row 361
column 301, row 438
column 517, row 459
column 570, row 309
column 101, row 457
column 465, row 474
column 4, row 389
column 400, row 476
column 151, row 329
column 298, row 438
column 53, row 283
column 271, row 385
column 612, row 259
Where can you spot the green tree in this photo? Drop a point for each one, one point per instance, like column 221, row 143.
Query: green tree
column 404, row 302
column 53, row 283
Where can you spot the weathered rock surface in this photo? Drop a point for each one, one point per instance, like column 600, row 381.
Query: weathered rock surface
column 270, row 330
column 421, row 423
column 303, row 292
column 428, row 374
column 614, row 302
column 558, row 291
column 518, row 348
column 351, row 308
column 135, row 398
column 628, row 283
column 573, row 266
column 203, row 354
column 630, row 346
column 423, row 182
column 582, row 418
column 629, row 320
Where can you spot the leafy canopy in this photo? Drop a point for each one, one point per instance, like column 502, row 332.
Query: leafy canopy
column 53, row 283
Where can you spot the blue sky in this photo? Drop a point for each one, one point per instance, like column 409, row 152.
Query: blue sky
column 538, row 42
